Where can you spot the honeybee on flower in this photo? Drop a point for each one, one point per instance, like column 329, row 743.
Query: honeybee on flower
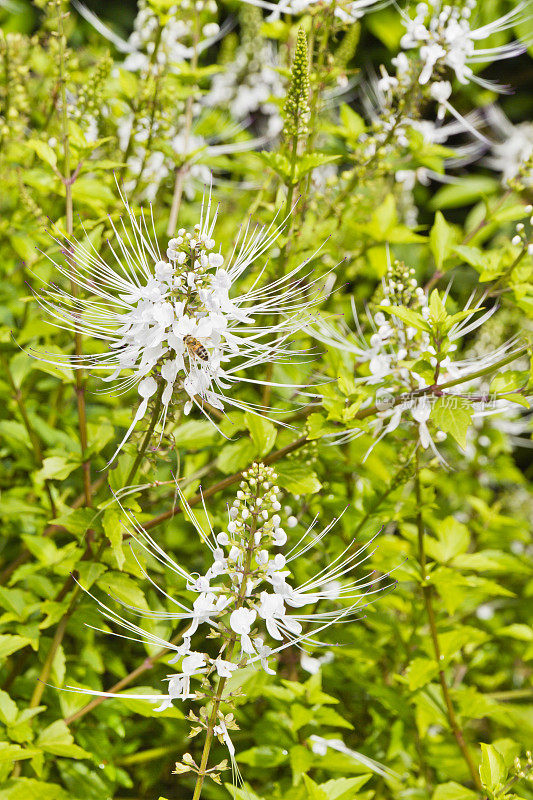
column 148, row 307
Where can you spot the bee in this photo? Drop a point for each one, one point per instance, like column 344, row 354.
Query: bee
column 196, row 348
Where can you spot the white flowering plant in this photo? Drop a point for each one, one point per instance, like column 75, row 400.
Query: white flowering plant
column 265, row 386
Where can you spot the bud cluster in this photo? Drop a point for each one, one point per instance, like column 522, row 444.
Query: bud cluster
column 14, row 103
column 296, row 109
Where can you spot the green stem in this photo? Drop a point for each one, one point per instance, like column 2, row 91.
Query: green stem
column 224, row 484
column 427, row 594
column 181, row 171
column 68, row 180
column 437, row 388
column 228, row 656
column 37, row 452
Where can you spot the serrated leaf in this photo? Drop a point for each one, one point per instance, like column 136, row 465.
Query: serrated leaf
column 262, row 431
column 10, row 644
column 453, row 416
column 492, row 770
column 411, row 318
column 420, row 672
column 43, row 151
column 453, row 791
column 297, row 478
column 113, row 528
column 58, row 740
column 441, row 240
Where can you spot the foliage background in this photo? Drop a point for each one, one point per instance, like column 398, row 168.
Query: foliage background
column 380, row 693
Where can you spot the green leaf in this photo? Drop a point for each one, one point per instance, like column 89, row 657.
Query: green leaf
column 277, row 162
column 14, row 752
column 30, row 789
column 314, row 792
column 354, row 124
column 344, row 788
column 297, row 478
column 56, row 468
column 128, row 82
column 195, row 434
column 43, row 151
column 453, row 415
column 420, row 672
column 58, row 740
column 466, row 191
column 123, row 588
column 78, row 521
column 8, row 709
column 517, row 630
column 264, row 756
column 453, row 791
column 411, row 318
column 453, row 539
column 262, row 431
column 113, row 528
column 236, row 456
column 308, row 162
column 492, row 771
column 441, row 240
column 10, row 644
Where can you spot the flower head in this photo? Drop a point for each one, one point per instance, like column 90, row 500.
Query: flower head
column 173, row 322
column 445, row 38
column 347, row 11
column 409, row 360
column 250, row 603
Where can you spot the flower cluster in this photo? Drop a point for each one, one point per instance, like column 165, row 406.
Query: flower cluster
column 250, row 82
column 169, row 321
column 410, row 355
column 346, row 11
column 155, row 43
column 445, row 38
column 246, row 600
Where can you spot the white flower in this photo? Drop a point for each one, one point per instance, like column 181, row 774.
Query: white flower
column 144, row 306
column 272, row 610
column 346, row 10
column 444, row 36
column 240, row 622
column 242, row 601
column 393, row 350
column 514, row 149
column 174, row 38
column 224, row 668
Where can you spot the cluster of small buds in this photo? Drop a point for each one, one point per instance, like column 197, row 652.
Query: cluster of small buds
column 296, row 110
column 31, row 206
column 524, row 770
column 520, row 239
column 307, row 455
column 401, row 286
column 189, row 258
column 91, row 93
column 14, row 101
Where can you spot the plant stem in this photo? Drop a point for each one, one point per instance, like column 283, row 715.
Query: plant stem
column 148, row 435
column 57, row 640
column 427, row 594
column 223, row 484
column 182, row 170
column 68, row 180
column 19, row 399
column 438, row 388
column 228, row 656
